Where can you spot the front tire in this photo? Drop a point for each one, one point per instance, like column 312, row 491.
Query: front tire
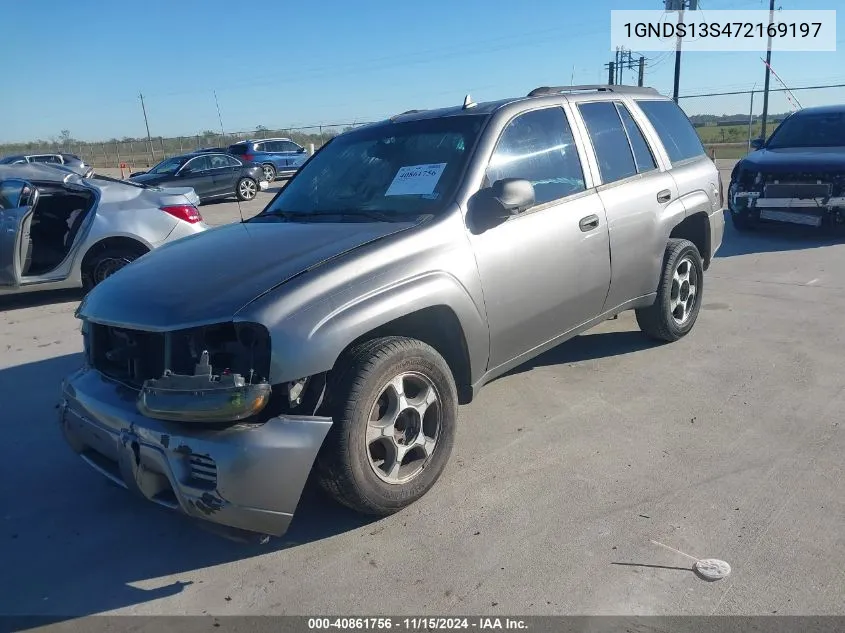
column 246, row 189
column 679, row 294
column 394, row 406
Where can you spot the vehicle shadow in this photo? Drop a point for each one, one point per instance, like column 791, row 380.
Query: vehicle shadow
column 770, row 238
column 40, row 298
column 74, row 544
column 589, row 346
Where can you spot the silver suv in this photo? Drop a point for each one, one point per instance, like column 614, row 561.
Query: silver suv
column 404, row 266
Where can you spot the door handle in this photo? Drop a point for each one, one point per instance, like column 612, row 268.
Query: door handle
column 664, row 196
column 589, row 223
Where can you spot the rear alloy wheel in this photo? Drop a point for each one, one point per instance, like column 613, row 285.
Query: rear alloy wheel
column 679, row 294
column 394, row 406
column 103, row 265
column 246, row 189
column 269, row 172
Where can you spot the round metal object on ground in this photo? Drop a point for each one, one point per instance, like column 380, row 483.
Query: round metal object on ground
column 247, row 189
column 712, row 568
column 403, row 428
column 684, row 289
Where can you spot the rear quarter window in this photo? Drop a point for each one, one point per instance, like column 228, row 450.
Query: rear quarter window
column 674, row 129
column 238, row 150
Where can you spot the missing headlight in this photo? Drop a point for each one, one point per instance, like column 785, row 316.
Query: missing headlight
column 216, row 373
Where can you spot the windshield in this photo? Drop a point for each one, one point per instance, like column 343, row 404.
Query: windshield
column 398, row 170
column 169, row 165
column 810, row 130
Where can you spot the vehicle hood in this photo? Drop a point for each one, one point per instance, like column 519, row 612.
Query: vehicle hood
column 796, row 159
column 209, row 277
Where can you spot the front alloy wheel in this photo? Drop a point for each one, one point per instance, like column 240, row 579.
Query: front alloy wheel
column 394, row 408
column 404, row 427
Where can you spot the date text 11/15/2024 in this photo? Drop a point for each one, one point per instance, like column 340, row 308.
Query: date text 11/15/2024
column 416, row 623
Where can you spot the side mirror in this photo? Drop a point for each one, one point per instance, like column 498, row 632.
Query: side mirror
column 757, row 143
column 301, row 150
column 493, row 205
column 512, row 195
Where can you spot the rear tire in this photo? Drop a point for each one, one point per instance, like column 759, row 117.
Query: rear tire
column 386, row 449
column 107, row 262
column 246, row 189
column 679, row 294
column 269, row 172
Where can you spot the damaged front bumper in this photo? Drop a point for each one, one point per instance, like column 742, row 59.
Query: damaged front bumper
column 246, row 477
column 810, row 211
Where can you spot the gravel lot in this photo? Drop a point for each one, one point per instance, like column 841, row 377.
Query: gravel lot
column 726, row 444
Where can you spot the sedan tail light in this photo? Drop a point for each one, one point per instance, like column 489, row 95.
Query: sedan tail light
column 186, row 212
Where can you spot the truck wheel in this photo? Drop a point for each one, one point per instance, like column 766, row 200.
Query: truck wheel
column 679, row 293
column 394, row 406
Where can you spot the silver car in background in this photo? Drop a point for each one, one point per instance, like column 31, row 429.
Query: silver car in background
column 71, row 162
column 59, row 230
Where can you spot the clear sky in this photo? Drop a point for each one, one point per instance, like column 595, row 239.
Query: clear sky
column 80, row 64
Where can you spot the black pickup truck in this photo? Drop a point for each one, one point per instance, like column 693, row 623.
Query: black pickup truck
column 797, row 176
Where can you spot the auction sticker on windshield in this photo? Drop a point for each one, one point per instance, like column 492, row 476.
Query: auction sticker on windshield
column 415, row 180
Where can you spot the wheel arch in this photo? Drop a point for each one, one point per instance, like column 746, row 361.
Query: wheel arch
column 695, row 228
column 433, row 308
column 439, row 327
column 135, row 244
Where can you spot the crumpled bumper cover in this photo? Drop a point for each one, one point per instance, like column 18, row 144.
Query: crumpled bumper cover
column 246, row 477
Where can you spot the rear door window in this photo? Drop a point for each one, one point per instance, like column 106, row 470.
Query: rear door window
column 674, row 129
column 287, row 146
column 538, row 146
column 46, row 158
column 198, row 164
column 610, row 142
column 642, row 153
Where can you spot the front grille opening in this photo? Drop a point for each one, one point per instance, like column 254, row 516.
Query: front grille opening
column 131, row 356
column 203, row 471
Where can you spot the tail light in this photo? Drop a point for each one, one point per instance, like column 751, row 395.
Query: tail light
column 186, row 212
column 249, row 157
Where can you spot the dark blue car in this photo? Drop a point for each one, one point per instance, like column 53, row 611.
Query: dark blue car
column 278, row 157
column 797, row 176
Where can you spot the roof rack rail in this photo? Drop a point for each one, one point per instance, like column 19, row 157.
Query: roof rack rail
column 552, row 90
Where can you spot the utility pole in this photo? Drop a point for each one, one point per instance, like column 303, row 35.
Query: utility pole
column 641, row 75
column 768, row 71
column 680, row 6
column 624, row 59
column 147, row 123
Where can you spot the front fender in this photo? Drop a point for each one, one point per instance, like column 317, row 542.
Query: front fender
column 310, row 341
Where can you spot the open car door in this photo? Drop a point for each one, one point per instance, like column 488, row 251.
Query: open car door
column 17, row 201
